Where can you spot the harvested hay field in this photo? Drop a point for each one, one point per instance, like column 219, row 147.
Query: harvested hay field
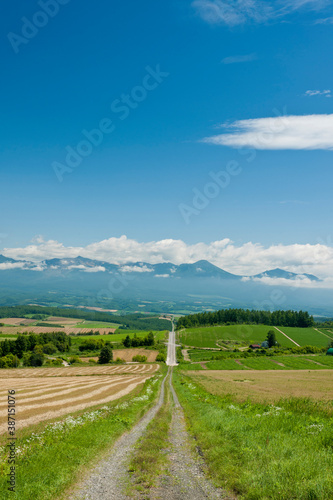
column 16, row 321
column 39, row 399
column 68, row 371
column 62, row 321
column 127, row 354
column 12, row 330
column 269, row 386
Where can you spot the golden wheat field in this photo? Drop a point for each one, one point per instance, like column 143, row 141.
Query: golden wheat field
column 48, row 393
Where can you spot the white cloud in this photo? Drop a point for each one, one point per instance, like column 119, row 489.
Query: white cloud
column 282, row 132
column 162, row 276
column 86, row 269
column 299, row 282
column 311, row 93
column 239, row 59
column 247, row 259
column 327, row 20
column 11, row 265
column 136, row 269
column 236, row 12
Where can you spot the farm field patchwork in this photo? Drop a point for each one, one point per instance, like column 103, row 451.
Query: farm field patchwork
column 10, row 330
column 210, row 335
column 16, row 321
column 271, row 387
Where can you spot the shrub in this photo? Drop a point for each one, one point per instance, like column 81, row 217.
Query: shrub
column 105, row 354
column 53, row 362
column 160, row 357
column 74, row 359
column 139, row 358
column 49, row 348
column 9, row 361
column 120, row 361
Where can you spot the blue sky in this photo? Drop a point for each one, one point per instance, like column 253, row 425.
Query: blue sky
column 221, row 63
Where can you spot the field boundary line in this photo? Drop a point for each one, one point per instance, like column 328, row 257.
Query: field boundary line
column 331, row 338
column 287, row 336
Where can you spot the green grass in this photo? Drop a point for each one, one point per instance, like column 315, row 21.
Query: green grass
column 299, row 362
column 306, row 336
column 93, row 324
column 290, row 362
column 262, row 363
column 208, row 336
column 46, row 471
column 202, row 355
column 260, row 451
column 117, row 337
column 324, row 360
column 148, row 461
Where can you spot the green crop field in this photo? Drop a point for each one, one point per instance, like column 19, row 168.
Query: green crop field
column 226, row 364
column 202, row 354
column 117, row 337
column 306, row 336
column 94, row 324
column 208, row 336
column 262, row 363
column 291, row 362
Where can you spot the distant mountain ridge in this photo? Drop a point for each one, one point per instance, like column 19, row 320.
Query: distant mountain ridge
column 202, row 268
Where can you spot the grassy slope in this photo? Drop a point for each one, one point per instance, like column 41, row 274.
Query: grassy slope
column 261, row 452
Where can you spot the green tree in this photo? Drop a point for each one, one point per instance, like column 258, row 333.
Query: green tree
column 49, row 348
column 271, row 338
column 127, row 341
column 106, row 354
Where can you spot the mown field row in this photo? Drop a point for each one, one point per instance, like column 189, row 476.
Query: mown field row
column 69, row 371
column 44, row 394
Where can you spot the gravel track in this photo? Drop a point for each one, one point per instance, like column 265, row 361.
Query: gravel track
column 109, row 478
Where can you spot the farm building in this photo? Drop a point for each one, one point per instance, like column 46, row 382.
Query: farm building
column 255, row 346
column 330, row 351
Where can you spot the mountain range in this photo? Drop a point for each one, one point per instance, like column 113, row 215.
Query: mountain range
column 200, row 269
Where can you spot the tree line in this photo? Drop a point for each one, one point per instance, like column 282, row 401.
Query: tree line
column 32, row 348
column 146, row 341
column 300, row 319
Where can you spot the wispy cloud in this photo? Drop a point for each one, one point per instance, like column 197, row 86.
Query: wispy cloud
column 310, row 93
column 285, row 132
column 236, row 12
column 326, row 20
column 247, row 259
column 293, row 202
column 239, row 59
